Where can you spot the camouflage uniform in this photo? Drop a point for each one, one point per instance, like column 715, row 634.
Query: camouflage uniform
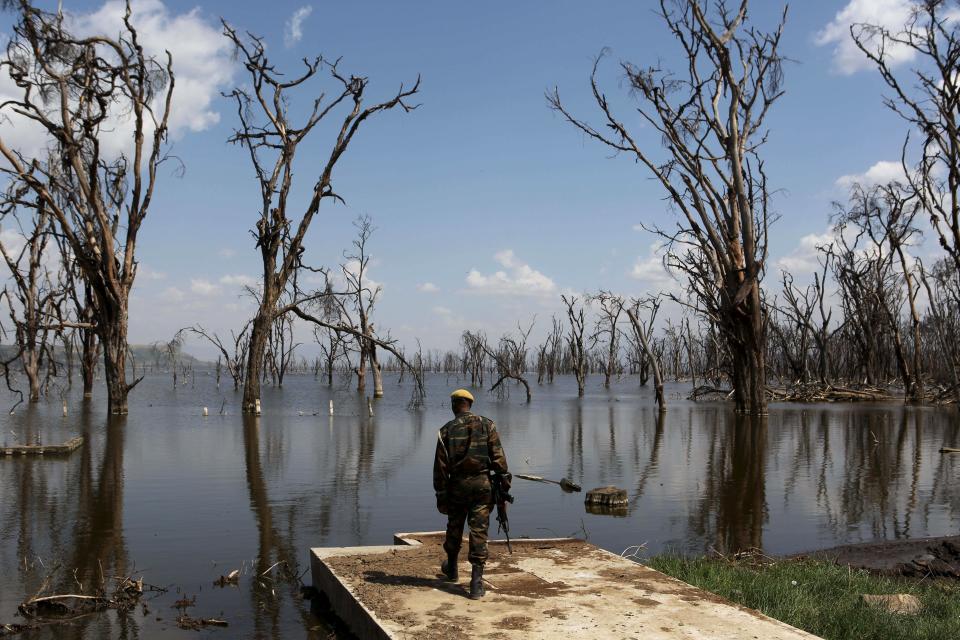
column 468, row 448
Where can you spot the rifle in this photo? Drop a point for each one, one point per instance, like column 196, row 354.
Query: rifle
column 501, row 498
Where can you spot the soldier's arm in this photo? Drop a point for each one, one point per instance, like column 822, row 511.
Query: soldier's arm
column 440, row 466
column 498, row 461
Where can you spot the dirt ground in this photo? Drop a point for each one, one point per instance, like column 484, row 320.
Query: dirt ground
column 923, row 557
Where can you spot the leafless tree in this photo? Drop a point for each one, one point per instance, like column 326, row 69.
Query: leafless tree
column 75, row 88
column 927, row 96
column 32, row 295
column 234, row 357
column 362, row 296
column 642, row 331
column 575, row 336
column 333, row 347
column 606, row 325
column 474, row 345
column 509, row 357
column 281, row 347
column 550, row 351
column 884, row 216
column 710, row 122
column 265, row 129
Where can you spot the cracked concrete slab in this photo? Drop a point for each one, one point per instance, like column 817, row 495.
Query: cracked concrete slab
column 550, row 588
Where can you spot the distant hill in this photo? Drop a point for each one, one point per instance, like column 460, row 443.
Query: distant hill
column 149, row 354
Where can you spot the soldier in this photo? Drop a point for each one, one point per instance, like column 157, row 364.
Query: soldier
column 468, row 449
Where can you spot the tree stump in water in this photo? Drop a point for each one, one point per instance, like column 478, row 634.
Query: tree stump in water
column 607, row 497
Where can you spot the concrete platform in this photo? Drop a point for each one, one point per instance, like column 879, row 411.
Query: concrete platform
column 69, row 446
column 550, row 588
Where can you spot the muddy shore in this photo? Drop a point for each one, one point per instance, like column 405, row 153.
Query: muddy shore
column 920, row 557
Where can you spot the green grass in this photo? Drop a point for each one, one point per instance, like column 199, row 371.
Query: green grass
column 823, row 598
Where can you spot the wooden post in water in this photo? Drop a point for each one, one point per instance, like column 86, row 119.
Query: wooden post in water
column 331, row 407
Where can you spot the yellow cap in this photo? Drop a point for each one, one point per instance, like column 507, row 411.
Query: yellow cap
column 462, row 393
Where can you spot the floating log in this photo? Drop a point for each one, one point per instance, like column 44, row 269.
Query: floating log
column 69, row 446
column 607, row 496
column 949, row 450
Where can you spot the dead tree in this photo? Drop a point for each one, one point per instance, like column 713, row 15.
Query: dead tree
column 80, row 319
column 942, row 284
column 884, row 217
column 509, row 358
column 575, row 335
column 610, row 310
column 272, row 139
column 549, row 351
column 927, row 97
column 362, row 296
column 32, row 295
column 76, row 88
column 642, row 332
column 474, row 345
column 333, row 346
column 794, row 335
column 281, row 347
column 234, row 358
column 710, row 123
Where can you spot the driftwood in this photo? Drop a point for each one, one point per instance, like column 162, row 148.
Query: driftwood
column 949, row 450
column 231, row 578
column 191, row 624
column 566, row 485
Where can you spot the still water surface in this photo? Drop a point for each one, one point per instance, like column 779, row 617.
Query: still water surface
column 182, row 499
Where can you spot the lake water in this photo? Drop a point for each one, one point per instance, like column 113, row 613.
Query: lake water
column 182, row 499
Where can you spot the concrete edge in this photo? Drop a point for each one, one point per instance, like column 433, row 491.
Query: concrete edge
column 409, row 538
column 361, row 621
column 747, row 610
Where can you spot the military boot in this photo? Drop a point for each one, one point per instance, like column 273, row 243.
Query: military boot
column 476, row 582
column 449, row 568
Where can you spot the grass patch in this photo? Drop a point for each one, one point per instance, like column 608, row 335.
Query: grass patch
column 823, row 598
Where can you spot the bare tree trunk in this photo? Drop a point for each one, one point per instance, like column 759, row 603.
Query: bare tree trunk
column 259, row 336
column 377, row 375
column 651, row 358
column 113, row 337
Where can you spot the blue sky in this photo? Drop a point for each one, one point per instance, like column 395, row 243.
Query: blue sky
column 483, row 167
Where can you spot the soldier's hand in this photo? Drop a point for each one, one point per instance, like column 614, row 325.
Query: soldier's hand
column 442, row 502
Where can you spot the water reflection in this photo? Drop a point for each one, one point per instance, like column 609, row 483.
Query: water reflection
column 698, row 477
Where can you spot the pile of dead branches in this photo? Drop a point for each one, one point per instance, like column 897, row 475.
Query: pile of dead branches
column 819, row 392
column 43, row 609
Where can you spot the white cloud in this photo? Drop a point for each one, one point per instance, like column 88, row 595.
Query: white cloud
column 518, row 278
column 294, row 31
column 881, row 173
column 146, row 273
column 202, row 66
column 239, row 280
column 428, row 287
column 202, row 57
column 226, row 253
column 203, row 287
column 172, row 294
column 804, row 258
column 650, row 268
column 890, row 14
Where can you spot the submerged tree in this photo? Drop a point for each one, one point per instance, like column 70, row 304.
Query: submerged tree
column 78, row 89
column 32, row 294
column 709, row 121
column 267, row 131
